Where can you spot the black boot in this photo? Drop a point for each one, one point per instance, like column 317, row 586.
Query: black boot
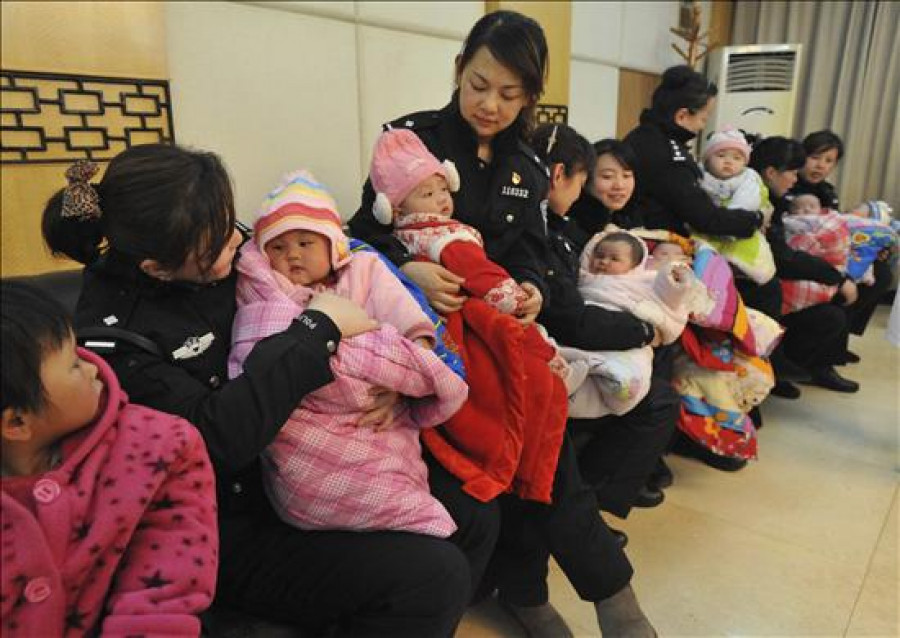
column 691, row 449
column 661, row 477
column 828, row 378
column 785, row 390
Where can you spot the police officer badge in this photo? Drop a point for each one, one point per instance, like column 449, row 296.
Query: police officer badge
column 515, row 190
column 194, row 346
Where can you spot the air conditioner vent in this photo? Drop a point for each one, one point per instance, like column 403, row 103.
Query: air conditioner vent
column 769, row 71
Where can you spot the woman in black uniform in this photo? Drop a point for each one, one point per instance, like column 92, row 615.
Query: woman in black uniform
column 815, row 337
column 500, row 75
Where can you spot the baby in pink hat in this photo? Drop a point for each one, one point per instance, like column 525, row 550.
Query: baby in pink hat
column 730, row 183
column 413, row 192
column 726, row 176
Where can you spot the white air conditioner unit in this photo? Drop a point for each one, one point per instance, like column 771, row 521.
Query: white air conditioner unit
column 757, row 88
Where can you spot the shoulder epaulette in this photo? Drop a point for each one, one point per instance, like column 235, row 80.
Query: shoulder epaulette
column 530, row 154
column 415, row 121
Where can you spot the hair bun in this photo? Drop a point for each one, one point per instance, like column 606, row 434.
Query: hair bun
column 677, row 77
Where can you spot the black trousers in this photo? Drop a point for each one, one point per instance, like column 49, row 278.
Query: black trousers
column 617, row 454
column 814, row 337
column 570, row 529
column 353, row 584
column 478, row 524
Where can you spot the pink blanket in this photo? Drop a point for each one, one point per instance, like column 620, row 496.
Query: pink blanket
column 322, row 471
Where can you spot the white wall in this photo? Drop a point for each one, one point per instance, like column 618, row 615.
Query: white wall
column 607, row 37
column 275, row 86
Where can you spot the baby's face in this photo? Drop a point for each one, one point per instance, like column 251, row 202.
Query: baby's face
column 612, row 258
column 666, row 252
column 726, row 163
column 806, row 205
column 302, row 256
column 432, row 195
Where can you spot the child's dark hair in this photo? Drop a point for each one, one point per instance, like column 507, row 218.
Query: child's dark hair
column 622, row 152
column 682, row 87
column 518, row 43
column 157, row 201
column 561, row 144
column 637, row 249
column 822, row 141
column 31, row 324
column 780, row 153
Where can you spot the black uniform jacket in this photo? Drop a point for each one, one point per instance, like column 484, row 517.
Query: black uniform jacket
column 565, row 315
column 191, row 326
column 667, row 184
column 588, row 216
column 797, row 264
column 501, row 199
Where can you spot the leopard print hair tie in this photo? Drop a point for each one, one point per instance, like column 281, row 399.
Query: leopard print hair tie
column 80, row 199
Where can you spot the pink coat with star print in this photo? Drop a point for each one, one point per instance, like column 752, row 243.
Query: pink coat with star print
column 120, row 538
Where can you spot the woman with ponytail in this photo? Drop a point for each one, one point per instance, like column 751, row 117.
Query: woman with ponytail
column 667, row 179
column 157, row 235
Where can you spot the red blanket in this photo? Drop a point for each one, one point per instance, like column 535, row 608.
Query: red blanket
column 507, row 436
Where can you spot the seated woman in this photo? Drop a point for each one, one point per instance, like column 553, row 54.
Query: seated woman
column 158, row 236
column 824, row 150
column 500, row 76
column 815, row 337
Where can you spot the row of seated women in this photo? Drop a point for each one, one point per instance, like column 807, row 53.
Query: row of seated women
column 413, row 382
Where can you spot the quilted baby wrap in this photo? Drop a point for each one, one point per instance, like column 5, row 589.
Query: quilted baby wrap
column 826, row 236
column 617, row 381
column 322, row 471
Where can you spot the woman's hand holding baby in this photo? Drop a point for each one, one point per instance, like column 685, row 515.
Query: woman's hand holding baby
column 440, row 286
column 347, row 315
column 849, row 291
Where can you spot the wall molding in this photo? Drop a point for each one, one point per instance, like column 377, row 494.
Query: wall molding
column 51, row 118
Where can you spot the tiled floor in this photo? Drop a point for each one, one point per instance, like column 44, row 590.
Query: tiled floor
column 804, row 542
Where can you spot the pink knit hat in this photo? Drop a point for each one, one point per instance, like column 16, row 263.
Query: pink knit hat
column 299, row 202
column 729, row 137
column 400, row 162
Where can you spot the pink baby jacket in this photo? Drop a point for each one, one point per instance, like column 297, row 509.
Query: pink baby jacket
column 120, row 539
column 322, row 471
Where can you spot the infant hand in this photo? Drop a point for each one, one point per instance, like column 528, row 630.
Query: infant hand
column 380, row 415
column 531, row 306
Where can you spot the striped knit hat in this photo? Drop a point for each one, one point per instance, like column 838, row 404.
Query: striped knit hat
column 300, row 202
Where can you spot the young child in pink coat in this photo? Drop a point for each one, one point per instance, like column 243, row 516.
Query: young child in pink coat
column 108, row 509
column 327, row 469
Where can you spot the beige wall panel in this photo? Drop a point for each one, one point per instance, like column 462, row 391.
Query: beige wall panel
column 400, row 73
column 333, row 9
column 597, row 31
column 635, row 90
column 125, row 39
column 556, row 19
column 437, row 17
column 594, row 99
column 24, row 191
column 270, row 91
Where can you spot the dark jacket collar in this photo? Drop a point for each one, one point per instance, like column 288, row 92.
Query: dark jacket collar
column 555, row 222
column 126, row 269
column 667, row 126
column 504, row 143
